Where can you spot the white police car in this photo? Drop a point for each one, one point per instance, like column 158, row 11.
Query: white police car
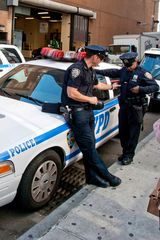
column 10, row 57
column 36, row 146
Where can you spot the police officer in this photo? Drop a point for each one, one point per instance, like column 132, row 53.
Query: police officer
column 135, row 84
column 79, row 81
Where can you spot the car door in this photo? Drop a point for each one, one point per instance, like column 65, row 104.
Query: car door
column 106, row 119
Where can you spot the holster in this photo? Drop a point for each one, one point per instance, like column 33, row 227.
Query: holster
column 67, row 114
column 145, row 105
column 138, row 113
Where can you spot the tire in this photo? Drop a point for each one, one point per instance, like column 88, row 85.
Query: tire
column 40, row 180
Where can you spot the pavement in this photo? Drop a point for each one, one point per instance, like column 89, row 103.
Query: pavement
column 109, row 213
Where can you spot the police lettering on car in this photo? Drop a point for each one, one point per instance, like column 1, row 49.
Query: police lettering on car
column 135, row 84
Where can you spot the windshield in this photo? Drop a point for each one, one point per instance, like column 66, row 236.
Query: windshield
column 118, row 49
column 151, row 63
column 37, row 82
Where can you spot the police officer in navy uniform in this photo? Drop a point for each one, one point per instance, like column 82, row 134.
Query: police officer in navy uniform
column 79, row 81
column 135, row 84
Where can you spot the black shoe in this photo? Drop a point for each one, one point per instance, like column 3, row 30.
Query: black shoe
column 120, row 158
column 113, row 180
column 126, row 160
column 99, row 182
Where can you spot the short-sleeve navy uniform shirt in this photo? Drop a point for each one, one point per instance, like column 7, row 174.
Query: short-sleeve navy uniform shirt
column 78, row 76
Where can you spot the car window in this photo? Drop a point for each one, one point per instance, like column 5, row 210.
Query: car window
column 156, row 71
column 47, row 89
column 150, row 62
column 11, row 57
column 158, row 77
column 15, row 53
column 101, row 94
column 116, row 92
column 18, row 80
column 41, row 83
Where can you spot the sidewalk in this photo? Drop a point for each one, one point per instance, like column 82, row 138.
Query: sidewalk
column 109, row 213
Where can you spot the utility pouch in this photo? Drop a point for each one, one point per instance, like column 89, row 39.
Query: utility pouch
column 51, row 107
column 145, row 105
column 138, row 113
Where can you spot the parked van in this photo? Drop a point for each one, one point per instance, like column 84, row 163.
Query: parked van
column 130, row 43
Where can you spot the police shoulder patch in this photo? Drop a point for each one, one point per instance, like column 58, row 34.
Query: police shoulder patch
column 148, row 75
column 75, row 72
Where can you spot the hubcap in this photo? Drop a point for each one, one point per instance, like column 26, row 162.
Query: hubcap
column 44, row 181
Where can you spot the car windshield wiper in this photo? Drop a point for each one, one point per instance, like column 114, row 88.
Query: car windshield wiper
column 30, row 98
column 5, row 92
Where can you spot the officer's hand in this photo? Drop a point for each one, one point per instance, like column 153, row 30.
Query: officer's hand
column 93, row 100
column 135, row 89
column 115, row 85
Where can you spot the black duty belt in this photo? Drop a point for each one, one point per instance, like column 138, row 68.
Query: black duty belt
column 134, row 100
column 78, row 109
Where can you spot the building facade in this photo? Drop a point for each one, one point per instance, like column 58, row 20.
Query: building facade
column 32, row 24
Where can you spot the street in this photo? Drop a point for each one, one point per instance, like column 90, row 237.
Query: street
column 14, row 221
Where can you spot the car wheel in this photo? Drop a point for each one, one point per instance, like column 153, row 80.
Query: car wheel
column 40, row 180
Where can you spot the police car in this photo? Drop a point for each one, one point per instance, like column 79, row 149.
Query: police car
column 10, row 57
column 36, row 146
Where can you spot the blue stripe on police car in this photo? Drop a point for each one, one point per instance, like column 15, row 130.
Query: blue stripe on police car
column 101, row 121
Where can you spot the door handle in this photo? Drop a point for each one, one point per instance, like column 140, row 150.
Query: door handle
column 112, row 109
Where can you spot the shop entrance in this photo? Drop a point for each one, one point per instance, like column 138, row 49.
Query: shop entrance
column 36, row 28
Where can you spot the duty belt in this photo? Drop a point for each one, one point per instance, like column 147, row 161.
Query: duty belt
column 136, row 100
column 78, row 109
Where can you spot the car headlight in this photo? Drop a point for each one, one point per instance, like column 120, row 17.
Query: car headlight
column 6, row 168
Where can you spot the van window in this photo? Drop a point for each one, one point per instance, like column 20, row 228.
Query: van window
column 118, row 49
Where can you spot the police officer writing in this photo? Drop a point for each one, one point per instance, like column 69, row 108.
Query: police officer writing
column 79, row 81
column 135, row 84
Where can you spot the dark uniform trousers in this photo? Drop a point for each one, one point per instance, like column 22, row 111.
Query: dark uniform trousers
column 83, row 129
column 129, row 129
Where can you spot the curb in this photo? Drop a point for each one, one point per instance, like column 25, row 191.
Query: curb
column 41, row 228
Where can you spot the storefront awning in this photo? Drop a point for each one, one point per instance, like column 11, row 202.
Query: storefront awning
column 58, row 7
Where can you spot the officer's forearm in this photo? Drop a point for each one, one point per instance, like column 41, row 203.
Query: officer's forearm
column 149, row 89
column 103, row 86
column 112, row 73
column 76, row 95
